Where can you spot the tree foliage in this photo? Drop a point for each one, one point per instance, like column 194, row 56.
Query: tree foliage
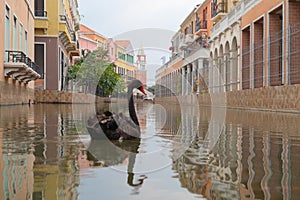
column 109, row 80
column 95, row 73
column 151, row 89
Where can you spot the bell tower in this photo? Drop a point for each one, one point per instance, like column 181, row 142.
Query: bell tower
column 141, row 59
column 141, row 63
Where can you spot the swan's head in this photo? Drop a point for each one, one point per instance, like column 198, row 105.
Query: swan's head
column 138, row 85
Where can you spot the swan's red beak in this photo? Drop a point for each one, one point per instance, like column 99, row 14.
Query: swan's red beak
column 142, row 89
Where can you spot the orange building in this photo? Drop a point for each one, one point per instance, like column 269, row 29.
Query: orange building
column 203, row 22
column 89, row 39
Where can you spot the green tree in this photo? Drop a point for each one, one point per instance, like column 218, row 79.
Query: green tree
column 108, row 81
column 74, row 69
column 95, row 73
column 151, row 89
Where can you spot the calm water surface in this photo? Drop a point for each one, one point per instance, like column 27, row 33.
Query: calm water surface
column 183, row 154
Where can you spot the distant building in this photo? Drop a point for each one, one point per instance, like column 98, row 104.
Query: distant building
column 186, row 72
column 124, row 62
column 90, row 40
column 141, row 72
column 111, row 49
column 56, row 45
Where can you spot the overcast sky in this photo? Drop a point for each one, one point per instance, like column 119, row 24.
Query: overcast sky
column 150, row 24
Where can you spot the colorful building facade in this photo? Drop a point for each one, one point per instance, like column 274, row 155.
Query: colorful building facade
column 18, row 68
column 225, row 45
column 270, row 43
column 187, row 70
column 124, row 62
column 203, row 22
column 255, row 46
column 56, row 24
column 89, row 39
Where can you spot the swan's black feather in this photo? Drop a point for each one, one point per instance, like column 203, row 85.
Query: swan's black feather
column 117, row 126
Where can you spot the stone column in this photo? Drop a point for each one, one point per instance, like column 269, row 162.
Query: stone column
column 188, row 91
column 213, row 69
column 183, row 81
column 226, row 76
column 193, row 72
column 200, row 73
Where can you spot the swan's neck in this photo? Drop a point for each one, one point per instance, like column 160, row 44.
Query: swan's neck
column 132, row 112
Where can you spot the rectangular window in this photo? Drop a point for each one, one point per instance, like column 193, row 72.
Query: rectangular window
column 130, row 59
column 121, row 55
column 15, row 34
column 39, row 8
column 7, row 32
column 26, row 43
column 39, row 55
column 21, row 38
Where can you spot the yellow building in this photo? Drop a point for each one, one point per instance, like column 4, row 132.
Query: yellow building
column 56, row 24
column 125, row 59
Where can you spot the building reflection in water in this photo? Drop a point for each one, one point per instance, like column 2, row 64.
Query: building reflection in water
column 16, row 154
column 38, row 153
column 255, row 156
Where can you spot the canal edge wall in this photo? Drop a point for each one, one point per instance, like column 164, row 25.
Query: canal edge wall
column 274, row 99
column 13, row 93
column 63, row 97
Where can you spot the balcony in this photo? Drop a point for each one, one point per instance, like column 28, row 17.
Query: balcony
column 20, row 67
column 201, row 27
column 40, row 13
column 67, row 33
column 232, row 17
column 41, row 20
column 218, row 11
column 187, row 40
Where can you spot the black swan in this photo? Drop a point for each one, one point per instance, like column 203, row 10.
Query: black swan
column 117, row 126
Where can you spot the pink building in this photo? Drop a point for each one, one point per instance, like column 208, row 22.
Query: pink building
column 111, row 48
column 89, row 39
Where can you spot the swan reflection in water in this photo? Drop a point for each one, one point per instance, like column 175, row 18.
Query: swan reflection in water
column 108, row 153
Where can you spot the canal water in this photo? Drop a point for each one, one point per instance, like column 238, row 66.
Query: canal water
column 183, row 153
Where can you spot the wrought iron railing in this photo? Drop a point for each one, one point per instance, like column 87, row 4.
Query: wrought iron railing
column 20, row 57
column 73, row 36
column 201, row 25
column 218, row 8
column 40, row 13
column 198, row 25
